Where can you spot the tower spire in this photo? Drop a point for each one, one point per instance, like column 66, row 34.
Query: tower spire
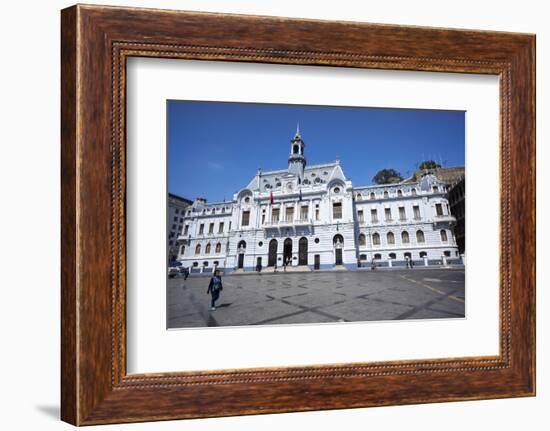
column 297, row 160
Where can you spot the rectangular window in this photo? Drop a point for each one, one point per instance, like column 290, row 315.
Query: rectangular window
column 337, row 210
column 387, row 214
column 263, row 217
column 211, row 228
column 177, row 211
column 402, row 215
column 220, row 228
column 246, row 218
column 304, row 213
column 416, row 211
column 289, row 211
column 360, row 216
column 201, row 229
column 275, row 215
column 374, row 216
column 186, row 229
column 317, row 216
column 175, row 219
column 438, row 209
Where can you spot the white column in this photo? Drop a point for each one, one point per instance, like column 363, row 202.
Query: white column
column 425, row 260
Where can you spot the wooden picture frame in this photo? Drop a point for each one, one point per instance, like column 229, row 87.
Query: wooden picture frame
column 95, row 43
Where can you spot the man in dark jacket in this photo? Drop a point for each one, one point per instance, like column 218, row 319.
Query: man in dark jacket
column 214, row 288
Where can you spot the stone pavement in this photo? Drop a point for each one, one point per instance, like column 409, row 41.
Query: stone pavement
column 315, row 297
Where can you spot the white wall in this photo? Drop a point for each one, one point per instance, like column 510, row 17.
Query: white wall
column 29, row 174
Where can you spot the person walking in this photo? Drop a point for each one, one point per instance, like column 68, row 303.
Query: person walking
column 214, row 289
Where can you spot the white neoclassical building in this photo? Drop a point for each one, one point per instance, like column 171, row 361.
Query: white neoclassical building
column 312, row 217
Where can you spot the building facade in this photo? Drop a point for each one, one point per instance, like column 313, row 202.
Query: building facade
column 313, row 217
column 176, row 213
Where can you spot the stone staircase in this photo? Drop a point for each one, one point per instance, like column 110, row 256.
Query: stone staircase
column 280, row 270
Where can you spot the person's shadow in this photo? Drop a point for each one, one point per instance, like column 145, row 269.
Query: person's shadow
column 225, row 304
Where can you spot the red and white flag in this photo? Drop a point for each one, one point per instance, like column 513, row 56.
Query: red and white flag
column 270, row 197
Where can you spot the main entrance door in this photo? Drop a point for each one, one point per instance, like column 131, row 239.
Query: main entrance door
column 241, row 249
column 338, row 242
column 287, row 252
column 302, row 251
column 272, row 258
column 338, row 256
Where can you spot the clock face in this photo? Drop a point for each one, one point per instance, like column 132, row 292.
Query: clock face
column 289, row 187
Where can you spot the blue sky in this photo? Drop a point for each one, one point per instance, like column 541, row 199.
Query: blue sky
column 215, row 148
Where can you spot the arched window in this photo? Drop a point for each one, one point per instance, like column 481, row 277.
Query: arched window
column 338, row 239
column 372, row 195
column 362, row 257
column 413, row 192
column 376, row 238
column 378, row 256
column 405, row 237
column 182, row 250
column 359, row 197
column 386, row 195
column 435, row 189
column 362, row 239
column 393, row 256
column 391, row 238
column 218, row 247
column 207, row 249
column 198, row 249
column 399, row 193
column 423, row 254
column 419, row 236
column 443, row 234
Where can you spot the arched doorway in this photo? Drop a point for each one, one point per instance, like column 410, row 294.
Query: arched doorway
column 302, row 251
column 241, row 249
column 287, row 252
column 338, row 242
column 272, row 257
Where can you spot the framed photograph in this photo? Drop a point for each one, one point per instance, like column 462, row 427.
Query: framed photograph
column 266, row 215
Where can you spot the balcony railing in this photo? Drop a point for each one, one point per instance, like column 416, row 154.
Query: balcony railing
column 445, row 217
column 287, row 223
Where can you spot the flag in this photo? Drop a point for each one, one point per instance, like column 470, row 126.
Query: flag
column 270, row 197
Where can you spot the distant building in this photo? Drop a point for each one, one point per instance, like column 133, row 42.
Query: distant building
column 176, row 211
column 448, row 175
column 457, row 199
column 313, row 217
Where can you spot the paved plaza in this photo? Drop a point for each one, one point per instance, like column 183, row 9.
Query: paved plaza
column 315, row 297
